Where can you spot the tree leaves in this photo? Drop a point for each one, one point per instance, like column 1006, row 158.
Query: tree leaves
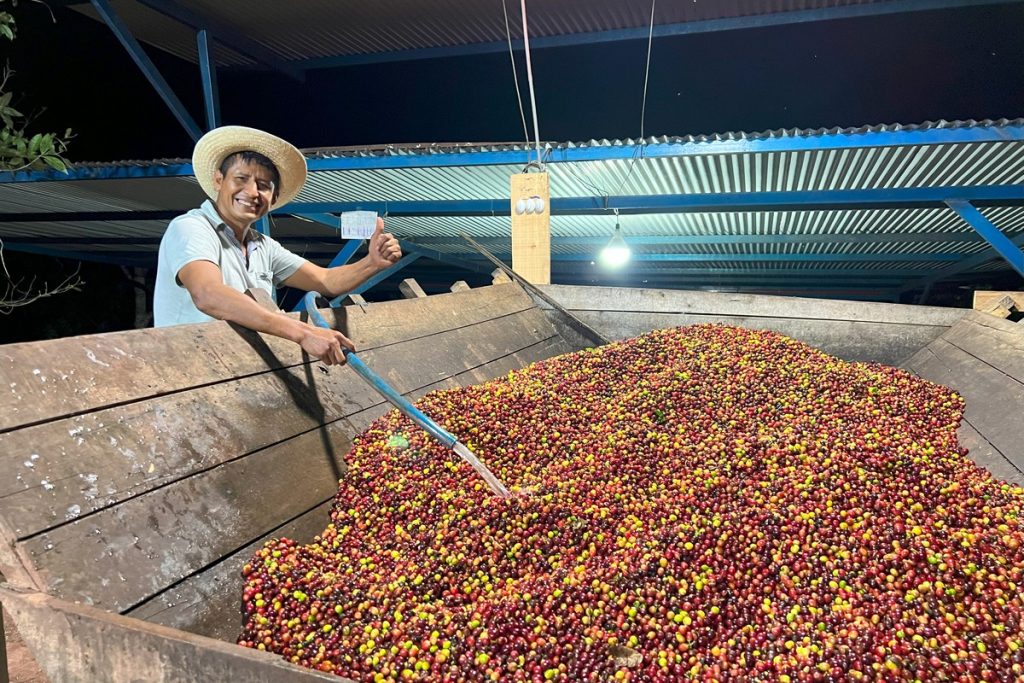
column 18, row 150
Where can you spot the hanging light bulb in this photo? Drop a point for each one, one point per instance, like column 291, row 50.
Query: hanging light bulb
column 616, row 253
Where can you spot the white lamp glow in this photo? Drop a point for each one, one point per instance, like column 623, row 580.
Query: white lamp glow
column 616, row 253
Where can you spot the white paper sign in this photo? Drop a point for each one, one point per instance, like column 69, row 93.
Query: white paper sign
column 358, row 225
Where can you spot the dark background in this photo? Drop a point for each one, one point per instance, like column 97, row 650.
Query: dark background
column 908, row 68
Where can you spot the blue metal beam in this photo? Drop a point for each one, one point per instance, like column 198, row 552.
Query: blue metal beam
column 963, row 266
column 346, row 252
column 262, row 226
column 915, row 197
column 564, row 154
column 451, row 259
column 227, row 36
column 208, row 72
column 504, row 245
column 641, row 33
column 796, row 258
column 669, row 240
column 327, row 219
column 149, row 69
column 1000, row 242
column 382, row 275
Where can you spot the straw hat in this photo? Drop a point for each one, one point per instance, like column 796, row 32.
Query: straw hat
column 219, row 143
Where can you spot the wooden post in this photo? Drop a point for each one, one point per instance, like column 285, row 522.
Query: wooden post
column 460, row 286
column 531, row 227
column 411, row 289
column 498, row 277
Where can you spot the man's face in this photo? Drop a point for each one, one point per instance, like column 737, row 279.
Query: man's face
column 245, row 193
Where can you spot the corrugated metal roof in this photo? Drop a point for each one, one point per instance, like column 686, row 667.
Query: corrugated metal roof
column 313, row 29
column 878, row 239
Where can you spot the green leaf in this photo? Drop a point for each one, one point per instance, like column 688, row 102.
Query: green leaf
column 46, row 144
column 33, row 144
column 56, row 163
column 13, row 112
column 6, row 31
column 5, row 99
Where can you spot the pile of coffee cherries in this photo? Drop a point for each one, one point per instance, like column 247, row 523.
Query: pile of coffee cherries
column 707, row 502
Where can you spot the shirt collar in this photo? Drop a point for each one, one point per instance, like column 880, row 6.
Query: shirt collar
column 210, row 211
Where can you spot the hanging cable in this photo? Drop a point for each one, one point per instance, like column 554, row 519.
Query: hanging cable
column 515, row 76
column 529, row 78
column 638, row 150
column 647, row 71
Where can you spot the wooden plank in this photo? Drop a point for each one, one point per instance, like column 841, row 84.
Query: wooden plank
column 993, row 399
column 988, row 456
column 74, row 642
column 208, row 603
column 51, row 379
column 531, row 226
column 61, row 470
column 151, row 540
column 139, row 547
column 638, row 300
column 1003, row 350
column 984, row 300
column 89, row 462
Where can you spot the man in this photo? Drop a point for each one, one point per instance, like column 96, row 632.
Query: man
column 211, row 255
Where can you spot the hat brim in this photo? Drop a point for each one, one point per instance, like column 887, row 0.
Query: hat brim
column 219, row 143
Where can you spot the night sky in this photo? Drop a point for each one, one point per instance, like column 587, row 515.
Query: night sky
column 905, row 68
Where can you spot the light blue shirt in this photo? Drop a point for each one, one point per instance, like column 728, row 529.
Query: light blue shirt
column 201, row 235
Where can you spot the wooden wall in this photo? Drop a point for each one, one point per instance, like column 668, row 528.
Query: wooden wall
column 982, row 357
column 140, row 470
column 852, row 330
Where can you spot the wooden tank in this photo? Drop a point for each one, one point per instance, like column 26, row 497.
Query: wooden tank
column 139, row 470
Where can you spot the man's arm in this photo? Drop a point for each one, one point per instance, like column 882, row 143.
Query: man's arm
column 384, row 251
column 204, row 283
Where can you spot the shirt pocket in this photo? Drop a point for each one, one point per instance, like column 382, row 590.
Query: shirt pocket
column 263, row 278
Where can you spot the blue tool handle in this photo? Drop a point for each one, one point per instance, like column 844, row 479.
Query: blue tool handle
column 382, row 387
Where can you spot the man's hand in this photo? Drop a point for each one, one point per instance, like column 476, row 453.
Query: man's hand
column 384, row 249
column 326, row 345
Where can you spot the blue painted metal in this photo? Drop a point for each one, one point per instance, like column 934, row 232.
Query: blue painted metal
column 518, row 158
column 382, row 275
column 208, row 72
column 503, row 244
column 1000, row 242
column 346, row 252
column 327, row 219
column 962, row 266
column 149, row 69
column 451, row 259
column 226, row 35
column 914, row 197
column 378, row 383
column 757, row 258
column 664, row 30
column 262, row 226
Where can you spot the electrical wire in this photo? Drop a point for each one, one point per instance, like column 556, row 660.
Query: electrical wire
column 529, row 78
column 515, row 76
column 638, row 150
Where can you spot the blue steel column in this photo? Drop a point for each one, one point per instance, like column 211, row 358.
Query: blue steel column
column 1000, row 242
column 149, row 69
column 208, row 71
column 382, row 275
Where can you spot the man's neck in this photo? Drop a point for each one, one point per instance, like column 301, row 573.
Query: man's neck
column 240, row 231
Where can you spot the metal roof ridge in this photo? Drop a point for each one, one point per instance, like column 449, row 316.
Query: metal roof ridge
column 442, row 148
